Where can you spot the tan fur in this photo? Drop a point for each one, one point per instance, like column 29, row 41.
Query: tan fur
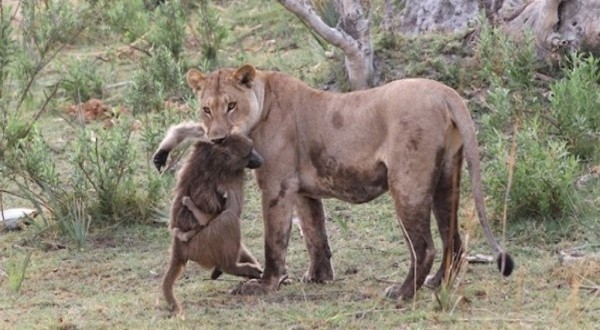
column 406, row 137
column 205, row 215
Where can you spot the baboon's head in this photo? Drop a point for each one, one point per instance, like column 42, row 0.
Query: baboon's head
column 235, row 152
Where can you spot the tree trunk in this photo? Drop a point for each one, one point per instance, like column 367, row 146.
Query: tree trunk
column 558, row 25
column 352, row 36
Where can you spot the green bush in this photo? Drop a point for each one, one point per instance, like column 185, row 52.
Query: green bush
column 130, row 19
column 543, row 177
column 544, row 169
column 81, row 80
column 211, row 30
column 168, row 29
column 159, row 78
column 575, row 107
column 103, row 182
column 503, row 61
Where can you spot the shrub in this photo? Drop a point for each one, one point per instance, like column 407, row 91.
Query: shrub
column 575, row 104
column 81, row 80
column 212, row 32
column 544, row 167
column 503, row 61
column 543, row 177
column 168, row 29
column 158, row 78
column 130, row 19
column 106, row 183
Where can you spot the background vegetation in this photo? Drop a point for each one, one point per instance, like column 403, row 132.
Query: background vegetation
column 88, row 87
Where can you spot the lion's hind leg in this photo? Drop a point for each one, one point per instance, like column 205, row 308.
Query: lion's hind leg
column 412, row 200
column 445, row 208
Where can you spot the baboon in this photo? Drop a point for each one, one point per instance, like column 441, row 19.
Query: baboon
column 205, row 214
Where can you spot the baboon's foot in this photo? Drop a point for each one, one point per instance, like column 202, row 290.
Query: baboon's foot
column 256, row 287
column 178, row 315
column 216, row 273
column 321, row 273
column 175, row 311
column 252, row 288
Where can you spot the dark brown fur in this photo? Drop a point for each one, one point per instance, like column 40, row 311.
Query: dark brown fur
column 213, row 178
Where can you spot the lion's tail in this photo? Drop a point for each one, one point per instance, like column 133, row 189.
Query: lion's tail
column 464, row 122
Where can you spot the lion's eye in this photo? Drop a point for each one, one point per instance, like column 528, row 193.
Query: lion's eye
column 206, row 110
column 231, row 106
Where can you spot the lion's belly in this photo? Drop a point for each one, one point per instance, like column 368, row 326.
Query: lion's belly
column 355, row 184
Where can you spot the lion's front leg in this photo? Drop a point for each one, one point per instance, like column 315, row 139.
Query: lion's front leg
column 312, row 221
column 278, row 207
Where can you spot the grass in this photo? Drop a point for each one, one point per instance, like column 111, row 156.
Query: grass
column 112, row 281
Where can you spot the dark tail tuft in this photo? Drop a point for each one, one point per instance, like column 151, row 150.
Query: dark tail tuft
column 504, row 259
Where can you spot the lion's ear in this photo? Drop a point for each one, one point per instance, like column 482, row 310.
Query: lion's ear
column 194, row 78
column 245, row 75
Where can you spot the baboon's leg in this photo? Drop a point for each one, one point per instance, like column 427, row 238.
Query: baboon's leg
column 184, row 236
column 312, row 222
column 176, row 266
column 445, row 208
column 243, row 269
column 246, row 256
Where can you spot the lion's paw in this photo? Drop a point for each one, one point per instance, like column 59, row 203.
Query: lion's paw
column 432, row 281
column 398, row 292
column 318, row 277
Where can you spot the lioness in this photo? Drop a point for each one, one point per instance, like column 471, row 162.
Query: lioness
column 407, row 136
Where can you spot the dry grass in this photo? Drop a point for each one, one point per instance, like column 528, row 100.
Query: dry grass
column 113, row 282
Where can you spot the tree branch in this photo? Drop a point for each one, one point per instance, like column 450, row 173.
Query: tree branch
column 338, row 38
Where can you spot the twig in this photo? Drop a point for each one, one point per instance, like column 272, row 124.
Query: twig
column 415, row 262
column 382, row 280
column 362, row 312
column 1, row 204
column 581, row 247
column 43, row 107
column 593, row 288
column 11, row 193
column 140, row 50
column 117, row 85
column 494, row 320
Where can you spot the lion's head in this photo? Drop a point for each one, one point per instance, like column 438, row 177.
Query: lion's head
column 227, row 99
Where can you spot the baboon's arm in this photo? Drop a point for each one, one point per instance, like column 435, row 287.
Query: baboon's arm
column 174, row 137
column 201, row 217
column 234, row 200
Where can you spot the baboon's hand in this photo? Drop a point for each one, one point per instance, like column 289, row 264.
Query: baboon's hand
column 187, row 202
column 160, row 158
